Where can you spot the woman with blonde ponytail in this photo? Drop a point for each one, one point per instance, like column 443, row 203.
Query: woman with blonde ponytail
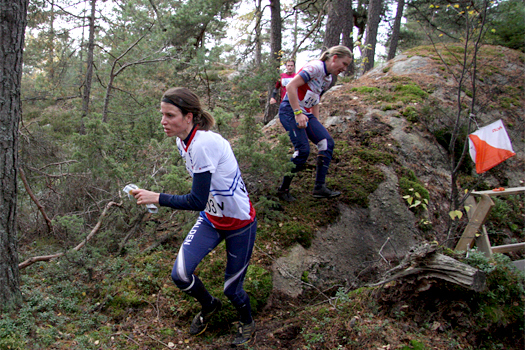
column 299, row 115
column 226, row 212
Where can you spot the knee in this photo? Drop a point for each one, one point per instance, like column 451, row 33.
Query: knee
column 301, row 154
column 326, row 147
column 235, row 296
column 180, row 280
column 230, row 293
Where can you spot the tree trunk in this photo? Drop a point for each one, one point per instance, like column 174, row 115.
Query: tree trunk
column 348, row 39
column 89, row 67
column 12, row 30
column 275, row 45
column 258, row 39
column 374, row 13
column 360, row 17
column 296, row 19
column 334, row 24
column 395, row 31
column 340, row 21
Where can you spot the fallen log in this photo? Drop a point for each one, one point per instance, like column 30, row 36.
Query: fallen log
column 424, row 263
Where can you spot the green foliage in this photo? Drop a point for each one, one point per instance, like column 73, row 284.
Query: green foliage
column 260, row 159
column 444, row 137
column 414, row 345
column 501, row 304
column 96, row 150
column 54, row 304
column 258, row 284
column 223, row 120
column 415, row 194
column 69, row 224
column 506, row 219
column 507, row 27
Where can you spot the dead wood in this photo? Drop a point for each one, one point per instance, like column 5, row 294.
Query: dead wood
column 134, row 229
column 162, row 240
column 37, row 202
column 424, row 263
column 34, row 259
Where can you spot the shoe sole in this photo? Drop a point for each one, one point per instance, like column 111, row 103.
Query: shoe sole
column 196, row 334
column 252, row 338
column 217, row 309
column 320, row 196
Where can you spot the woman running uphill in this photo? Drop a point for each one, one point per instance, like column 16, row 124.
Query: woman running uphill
column 299, row 114
column 219, row 193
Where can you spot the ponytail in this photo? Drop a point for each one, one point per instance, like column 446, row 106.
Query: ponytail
column 338, row 51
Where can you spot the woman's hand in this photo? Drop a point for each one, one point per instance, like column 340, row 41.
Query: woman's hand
column 145, row 196
column 301, row 120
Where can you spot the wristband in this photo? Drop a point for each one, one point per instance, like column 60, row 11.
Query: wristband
column 297, row 112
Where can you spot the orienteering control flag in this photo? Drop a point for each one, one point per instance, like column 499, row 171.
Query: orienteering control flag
column 490, row 146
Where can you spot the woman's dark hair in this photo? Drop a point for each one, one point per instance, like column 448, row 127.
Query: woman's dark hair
column 188, row 102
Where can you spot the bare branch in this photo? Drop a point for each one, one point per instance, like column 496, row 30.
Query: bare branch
column 35, row 259
column 31, row 194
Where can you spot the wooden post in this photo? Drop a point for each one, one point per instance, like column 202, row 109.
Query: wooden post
column 481, row 211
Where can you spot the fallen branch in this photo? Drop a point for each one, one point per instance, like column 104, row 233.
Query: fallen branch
column 134, row 229
column 33, row 260
column 162, row 240
column 425, row 263
column 31, row 194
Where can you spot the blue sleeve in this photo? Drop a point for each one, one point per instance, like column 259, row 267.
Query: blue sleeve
column 195, row 200
column 304, row 74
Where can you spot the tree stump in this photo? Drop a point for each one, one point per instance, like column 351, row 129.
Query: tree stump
column 424, row 263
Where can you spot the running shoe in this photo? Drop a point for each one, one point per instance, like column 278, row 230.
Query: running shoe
column 200, row 321
column 245, row 332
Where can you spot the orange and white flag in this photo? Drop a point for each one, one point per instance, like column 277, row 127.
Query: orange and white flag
column 490, row 146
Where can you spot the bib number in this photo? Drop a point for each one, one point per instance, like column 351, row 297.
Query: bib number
column 310, row 99
column 214, row 208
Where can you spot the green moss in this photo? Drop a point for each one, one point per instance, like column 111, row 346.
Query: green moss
column 304, row 276
column 409, row 93
column 405, row 185
column 126, row 299
column 374, row 156
column 297, row 232
column 365, row 89
column 258, row 284
column 358, row 184
column 411, row 114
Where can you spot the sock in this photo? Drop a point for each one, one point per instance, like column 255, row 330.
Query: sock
column 285, row 185
column 321, row 171
column 245, row 313
column 199, row 292
column 287, row 180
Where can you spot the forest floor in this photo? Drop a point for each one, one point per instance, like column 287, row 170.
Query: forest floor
column 131, row 302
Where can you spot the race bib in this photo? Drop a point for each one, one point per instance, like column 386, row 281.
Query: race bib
column 214, row 208
column 310, row 99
